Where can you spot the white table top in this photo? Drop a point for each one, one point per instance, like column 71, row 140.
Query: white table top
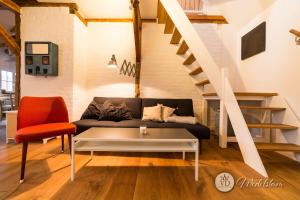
column 133, row 134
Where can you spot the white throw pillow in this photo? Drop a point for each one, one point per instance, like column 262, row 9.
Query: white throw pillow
column 152, row 113
column 166, row 112
column 182, row 119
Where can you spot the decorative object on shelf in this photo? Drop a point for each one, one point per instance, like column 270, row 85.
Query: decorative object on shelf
column 297, row 35
column 143, row 130
column 127, row 68
column 41, row 58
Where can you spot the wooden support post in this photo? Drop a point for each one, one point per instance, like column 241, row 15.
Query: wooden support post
column 137, row 27
column 223, row 121
column 18, row 61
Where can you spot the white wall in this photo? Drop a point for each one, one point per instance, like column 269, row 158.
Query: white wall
column 54, row 25
column 80, row 65
column 85, row 52
column 162, row 72
column 105, row 39
column 276, row 69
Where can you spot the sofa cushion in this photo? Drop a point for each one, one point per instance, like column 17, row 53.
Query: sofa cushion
column 152, row 113
column 92, row 111
column 110, row 112
column 134, row 104
column 184, row 107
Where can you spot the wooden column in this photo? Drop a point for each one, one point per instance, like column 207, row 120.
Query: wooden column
column 18, row 61
column 137, row 27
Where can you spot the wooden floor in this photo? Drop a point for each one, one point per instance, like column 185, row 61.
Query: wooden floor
column 138, row 176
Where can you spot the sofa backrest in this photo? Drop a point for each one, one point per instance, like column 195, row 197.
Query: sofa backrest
column 184, row 107
column 134, row 104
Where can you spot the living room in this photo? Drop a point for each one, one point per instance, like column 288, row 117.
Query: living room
column 192, row 80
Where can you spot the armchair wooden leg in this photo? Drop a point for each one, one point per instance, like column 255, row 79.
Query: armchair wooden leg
column 62, row 143
column 23, row 164
column 200, row 146
column 70, row 141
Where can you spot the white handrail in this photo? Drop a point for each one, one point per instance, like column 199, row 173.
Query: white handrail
column 225, row 92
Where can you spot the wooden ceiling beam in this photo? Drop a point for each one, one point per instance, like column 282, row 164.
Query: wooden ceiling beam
column 73, row 8
column 10, row 5
column 9, row 40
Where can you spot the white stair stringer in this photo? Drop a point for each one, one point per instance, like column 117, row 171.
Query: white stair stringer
column 220, row 83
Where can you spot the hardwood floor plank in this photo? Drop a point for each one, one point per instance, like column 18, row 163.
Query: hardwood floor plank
column 139, row 175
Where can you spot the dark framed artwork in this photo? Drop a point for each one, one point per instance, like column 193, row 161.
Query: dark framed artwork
column 29, row 60
column 254, row 42
column 46, row 60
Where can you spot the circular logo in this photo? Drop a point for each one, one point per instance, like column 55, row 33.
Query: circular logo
column 224, row 182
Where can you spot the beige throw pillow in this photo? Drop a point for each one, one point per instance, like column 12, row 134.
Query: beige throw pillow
column 166, row 112
column 152, row 113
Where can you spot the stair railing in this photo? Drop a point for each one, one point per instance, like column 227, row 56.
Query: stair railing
column 221, row 85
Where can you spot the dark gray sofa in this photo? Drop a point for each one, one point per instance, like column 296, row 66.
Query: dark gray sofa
column 184, row 107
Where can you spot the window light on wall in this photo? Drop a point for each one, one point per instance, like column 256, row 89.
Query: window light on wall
column 7, row 81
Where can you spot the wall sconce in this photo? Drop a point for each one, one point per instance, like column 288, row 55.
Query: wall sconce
column 113, row 62
column 297, row 40
column 297, row 35
column 126, row 69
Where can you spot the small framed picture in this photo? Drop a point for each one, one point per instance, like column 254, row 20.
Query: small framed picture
column 29, row 60
column 45, row 60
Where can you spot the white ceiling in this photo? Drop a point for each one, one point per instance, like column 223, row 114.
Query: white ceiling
column 111, row 8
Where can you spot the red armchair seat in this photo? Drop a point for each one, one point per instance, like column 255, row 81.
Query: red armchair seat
column 39, row 118
column 41, row 131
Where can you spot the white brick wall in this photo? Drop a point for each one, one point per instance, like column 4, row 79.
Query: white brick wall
column 85, row 52
column 54, row 25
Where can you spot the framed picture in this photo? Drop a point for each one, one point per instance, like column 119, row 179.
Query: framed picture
column 45, row 60
column 29, row 60
column 254, row 42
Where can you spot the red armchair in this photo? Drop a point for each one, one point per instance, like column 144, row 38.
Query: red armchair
column 39, row 118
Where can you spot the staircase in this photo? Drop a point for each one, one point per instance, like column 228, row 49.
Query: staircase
column 168, row 14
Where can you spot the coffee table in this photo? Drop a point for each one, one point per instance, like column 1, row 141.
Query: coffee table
column 130, row 140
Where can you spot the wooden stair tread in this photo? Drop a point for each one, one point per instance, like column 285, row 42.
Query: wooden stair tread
column 246, row 94
column 202, row 83
column 169, row 26
column 189, row 60
column 278, row 147
column 262, row 108
column 176, row 37
column 196, row 71
column 217, row 19
column 161, row 14
column 272, row 126
column 182, row 48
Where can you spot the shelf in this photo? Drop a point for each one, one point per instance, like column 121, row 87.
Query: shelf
column 135, row 146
